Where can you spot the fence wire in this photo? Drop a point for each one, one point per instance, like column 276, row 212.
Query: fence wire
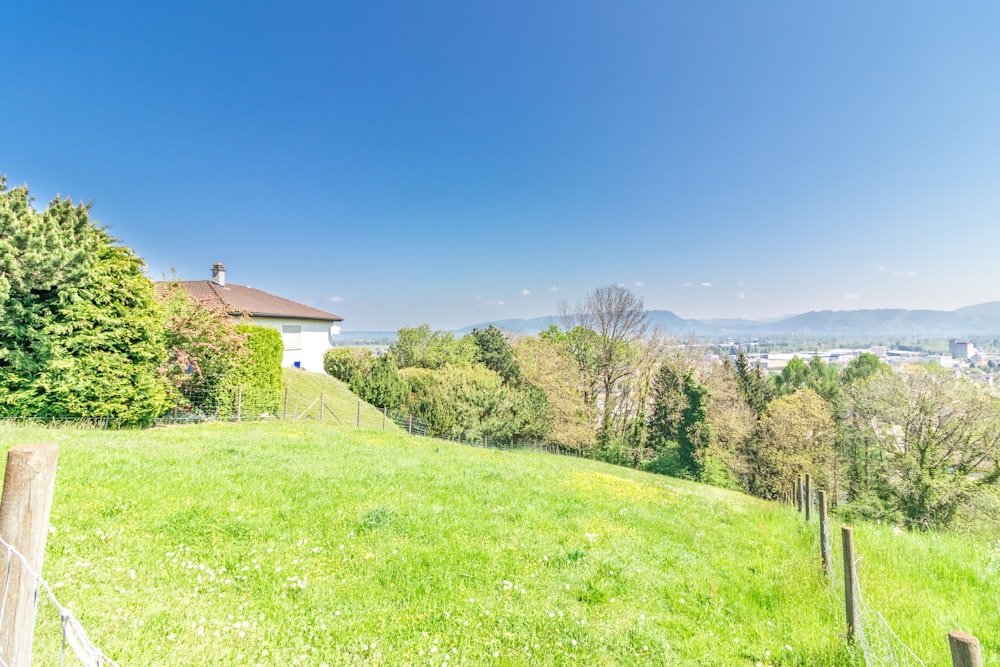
column 74, row 637
column 879, row 643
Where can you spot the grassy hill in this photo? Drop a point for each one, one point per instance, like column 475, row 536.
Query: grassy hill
column 308, row 543
column 318, row 396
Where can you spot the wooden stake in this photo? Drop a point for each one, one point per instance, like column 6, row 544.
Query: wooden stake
column 808, row 494
column 824, row 536
column 24, row 524
column 850, row 581
column 965, row 650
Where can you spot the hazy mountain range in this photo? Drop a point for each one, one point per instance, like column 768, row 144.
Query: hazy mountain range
column 979, row 320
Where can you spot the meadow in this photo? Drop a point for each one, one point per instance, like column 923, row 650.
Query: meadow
column 312, row 543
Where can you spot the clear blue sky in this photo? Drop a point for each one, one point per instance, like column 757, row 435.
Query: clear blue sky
column 459, row 162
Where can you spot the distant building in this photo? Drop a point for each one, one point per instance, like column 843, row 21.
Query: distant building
column 961, row 349
column 306, row 332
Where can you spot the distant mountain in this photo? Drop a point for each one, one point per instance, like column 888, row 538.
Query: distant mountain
column 978, row 320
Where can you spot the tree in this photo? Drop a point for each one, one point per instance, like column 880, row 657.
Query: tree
column 795, row 435
column 934, row 443
column 80, row 333
column 203, row 349
column 494, row 351
column 617, row 319
column 382, row 385
column 344, row 363
column 753, row 384
column 793, row 376
column 473, row 403
column 419, row 347
column 547, row 363
column 864, row 366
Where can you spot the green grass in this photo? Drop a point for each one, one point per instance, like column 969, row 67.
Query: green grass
column 338, row 404
column 305, row 543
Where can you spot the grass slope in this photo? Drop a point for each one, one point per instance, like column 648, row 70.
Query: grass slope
column 338, row 403
column 307, row 543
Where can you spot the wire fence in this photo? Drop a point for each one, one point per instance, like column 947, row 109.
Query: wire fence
column 879, row 644
column 74, row 638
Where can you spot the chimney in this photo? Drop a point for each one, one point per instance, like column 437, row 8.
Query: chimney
column 219, row 274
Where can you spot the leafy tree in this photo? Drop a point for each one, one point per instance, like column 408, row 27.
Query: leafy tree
column 494, row 351
column 382, row 385
column 934, row 444
column 864, row 366
column 474, row 402
column 795, row 375
column 547, row 364
column 419, row 347
column 345, row 363
column 204, row 349
column 795, row 435
column 80, row 333
column 607, row 356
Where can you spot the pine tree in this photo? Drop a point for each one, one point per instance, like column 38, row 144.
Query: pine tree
column 80, row 334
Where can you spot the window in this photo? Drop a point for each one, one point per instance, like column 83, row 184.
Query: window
column 291, row 335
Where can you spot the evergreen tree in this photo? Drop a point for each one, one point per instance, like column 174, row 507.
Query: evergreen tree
column 753, row 384
column 496, row 353
column 80, row 333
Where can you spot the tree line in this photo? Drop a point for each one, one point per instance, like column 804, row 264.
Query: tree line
column 913, row 447
column 85, row 334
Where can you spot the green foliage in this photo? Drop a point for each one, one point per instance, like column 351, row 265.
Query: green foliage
column 474, row 402
column 546, row 363
column 256, row 380
column 864, row 366
column 419, row 347
column 494, row 351
column 928, row 444
column 344, row 363
column 795, row 435
column 204, row 351
column 80, row 332
column 793, row 376
column 382, row 385
column 753, row 383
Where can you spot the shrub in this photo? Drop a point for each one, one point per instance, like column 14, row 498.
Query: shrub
column 345, row 363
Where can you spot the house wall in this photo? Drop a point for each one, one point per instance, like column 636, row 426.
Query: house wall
column 314, row 341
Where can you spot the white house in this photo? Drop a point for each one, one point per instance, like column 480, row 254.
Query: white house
column 307, row 332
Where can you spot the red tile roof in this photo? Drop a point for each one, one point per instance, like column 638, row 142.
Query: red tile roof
column 237, row 299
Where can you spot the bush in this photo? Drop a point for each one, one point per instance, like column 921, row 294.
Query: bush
column 346, row 363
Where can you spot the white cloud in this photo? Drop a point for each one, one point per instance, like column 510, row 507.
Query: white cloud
column 639, row 283
column 688, row 284
column 898, row 273
column 706, row 284
column 555, row 289
column 495, row 303
column 851, row 296
column 526, row 292
column 336, row 299
column 742, row 294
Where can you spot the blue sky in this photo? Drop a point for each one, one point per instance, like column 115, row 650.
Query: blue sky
column 459, row 162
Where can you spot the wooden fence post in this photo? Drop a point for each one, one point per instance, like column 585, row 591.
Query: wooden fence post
column 357, row 418
column 798, row 493
column 239, row 404
column 965, row 650
column 808, row 494
column 284, row 410
column 24, row 524
column 824, row 536
column 322, row 404
column 385, row 411
column 850, row 581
